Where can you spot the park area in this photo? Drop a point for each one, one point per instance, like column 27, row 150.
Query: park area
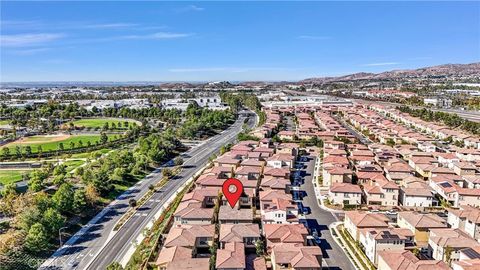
column 53, row 142
column 113, row 123
column 8, row 176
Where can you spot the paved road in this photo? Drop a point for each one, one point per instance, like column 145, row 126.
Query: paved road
column 319, row 219
column 362, row 138
column 98, row 246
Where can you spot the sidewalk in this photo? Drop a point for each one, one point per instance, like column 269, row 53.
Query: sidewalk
column 318, row 189
column 353, row 254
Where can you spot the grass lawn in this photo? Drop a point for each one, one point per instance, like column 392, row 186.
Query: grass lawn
column 12, row 176
column 4, row 122
column 50, row 143
column 100, row 122
column 72, row 164
column 89, row 154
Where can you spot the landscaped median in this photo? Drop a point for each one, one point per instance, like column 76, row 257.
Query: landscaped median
column 145, row 198
column 359, row 259
column 146, row 250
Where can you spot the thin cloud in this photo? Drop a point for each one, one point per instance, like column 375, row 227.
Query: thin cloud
column 23, row 40
column 380, row 64
column 110, row 25
column 156, row 36
column 29, row 51
column 191, row 8
column 309, row 37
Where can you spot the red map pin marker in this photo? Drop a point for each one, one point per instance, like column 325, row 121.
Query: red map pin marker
column 232, row 189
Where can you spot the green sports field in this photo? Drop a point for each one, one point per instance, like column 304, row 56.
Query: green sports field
column 100, row 122
column 12, row 176
column 52, row 142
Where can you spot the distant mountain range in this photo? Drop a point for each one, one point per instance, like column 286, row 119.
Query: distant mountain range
column 436, row 72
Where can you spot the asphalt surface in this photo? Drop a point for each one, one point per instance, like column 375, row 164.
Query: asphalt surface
column 98, row 245
column 362, row 138
column 319, row 219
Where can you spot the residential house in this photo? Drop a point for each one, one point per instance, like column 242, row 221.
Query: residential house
column 406, row 260
column 284, row 233
column 376, row 240
column 416, row 192
column 420, row 224
column 231, row 257
column 345, row 194
column 248, row 234
column 357, row 220
column 229, row 215
column 466, row 218
column 445, row 244
column 296, row 257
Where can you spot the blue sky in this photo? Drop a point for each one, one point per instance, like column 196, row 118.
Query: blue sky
column 205, row 41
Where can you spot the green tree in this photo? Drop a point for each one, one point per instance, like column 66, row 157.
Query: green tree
column 6, row 152
column 79, row 200
column 36, row 240
column 178, row 161
column 103, row 138
column 27, row 217
column 53, row 221
column 259, row 247
column 132, row 202
column 28, row 150
column 63, row 198
column 18, row 151
column 448, row 254
column 60, row 169
column 35, row 183
column 114, row 266
column 166, row 172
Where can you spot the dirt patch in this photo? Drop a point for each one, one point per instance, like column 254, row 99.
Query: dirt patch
column 48, row 139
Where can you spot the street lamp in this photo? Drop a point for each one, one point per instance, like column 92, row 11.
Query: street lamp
column 60, row 234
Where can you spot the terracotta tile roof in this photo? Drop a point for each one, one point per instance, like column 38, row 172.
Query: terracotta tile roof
column 180, row 258
column 406, row 260
column 454, row 238
column 419, row 220
column 237, row 232
column 280, row 172
column 269, row 195
column 220, row 169
column 228, row 214
column 285, row 233
column 259, row 264
column 252, row 162
column 231, row 257
column 227, row 160
column 297, row 255
column 338, row 171
column 186, row 235
column 467, row 264
column 248, row 170
column 345, row 188
column 193, row 210
column 275, row 182
column 282, row 157
column 367, row 220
